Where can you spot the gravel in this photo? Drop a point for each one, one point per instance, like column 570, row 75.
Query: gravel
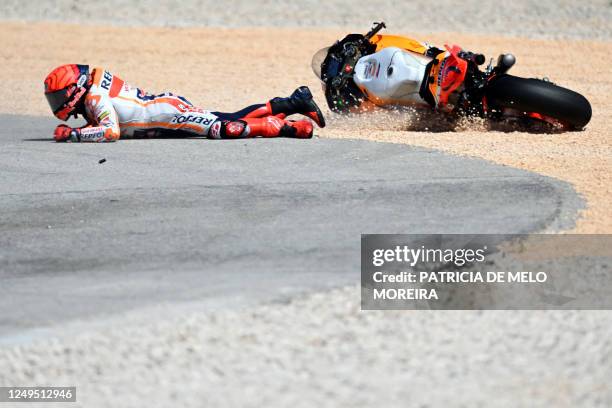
column 323, row 351
column 527, row 18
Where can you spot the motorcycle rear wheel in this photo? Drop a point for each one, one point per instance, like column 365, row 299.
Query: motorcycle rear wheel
column 535, row 96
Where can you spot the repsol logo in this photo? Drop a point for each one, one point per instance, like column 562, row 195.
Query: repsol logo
column 200, row 120
column 107, row 78
column 442, row 72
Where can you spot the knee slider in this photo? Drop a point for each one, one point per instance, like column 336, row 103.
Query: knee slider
column 229, row 129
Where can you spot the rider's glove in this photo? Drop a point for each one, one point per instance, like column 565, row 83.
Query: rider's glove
column 64, row 133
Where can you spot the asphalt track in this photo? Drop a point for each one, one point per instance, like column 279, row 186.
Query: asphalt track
column 226, row 223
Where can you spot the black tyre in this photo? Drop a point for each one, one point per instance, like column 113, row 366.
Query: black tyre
column 535, row 95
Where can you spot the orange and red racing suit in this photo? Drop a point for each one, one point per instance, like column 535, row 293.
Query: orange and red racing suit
column 114, row 109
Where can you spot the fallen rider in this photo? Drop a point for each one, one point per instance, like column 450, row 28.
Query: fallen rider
column 114, row 109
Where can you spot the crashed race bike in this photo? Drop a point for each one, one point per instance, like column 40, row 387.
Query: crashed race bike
column 389, row 70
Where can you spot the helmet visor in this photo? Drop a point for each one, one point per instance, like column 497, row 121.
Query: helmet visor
column 58, row 99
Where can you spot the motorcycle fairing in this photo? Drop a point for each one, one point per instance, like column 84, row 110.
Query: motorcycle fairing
column 447, row 74
column 384, row 41
column 391, row 76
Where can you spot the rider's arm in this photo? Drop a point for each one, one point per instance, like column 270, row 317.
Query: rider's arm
column 102, row 118
column 102, row 123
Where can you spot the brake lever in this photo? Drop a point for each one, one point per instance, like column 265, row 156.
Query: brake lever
column 377, row 27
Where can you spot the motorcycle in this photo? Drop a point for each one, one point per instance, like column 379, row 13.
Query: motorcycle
column 385, row 70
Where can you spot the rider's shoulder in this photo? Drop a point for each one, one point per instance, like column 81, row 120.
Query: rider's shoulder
column 101, row 77
column 96, row 96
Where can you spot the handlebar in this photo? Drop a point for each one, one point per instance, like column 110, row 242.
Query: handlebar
column 477, row 59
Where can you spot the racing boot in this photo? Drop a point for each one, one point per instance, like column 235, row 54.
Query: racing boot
column 300, row 102
column 272, row 126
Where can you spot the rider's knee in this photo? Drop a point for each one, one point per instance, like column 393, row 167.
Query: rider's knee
column 229, row 129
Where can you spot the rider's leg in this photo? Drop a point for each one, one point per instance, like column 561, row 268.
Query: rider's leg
column 300, row 102
column 273, row 126
column 252, row 111
column 270, row 126
column 202, row 123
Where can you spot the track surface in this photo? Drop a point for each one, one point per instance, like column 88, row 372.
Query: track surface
column 226, row 223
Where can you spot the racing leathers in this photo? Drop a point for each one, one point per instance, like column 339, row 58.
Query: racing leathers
column 114, row 109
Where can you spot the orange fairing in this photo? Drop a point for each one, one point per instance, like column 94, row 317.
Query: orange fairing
column 384, row 41
column 447, row 75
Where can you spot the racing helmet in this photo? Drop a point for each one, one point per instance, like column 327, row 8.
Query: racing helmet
column 65, row 88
